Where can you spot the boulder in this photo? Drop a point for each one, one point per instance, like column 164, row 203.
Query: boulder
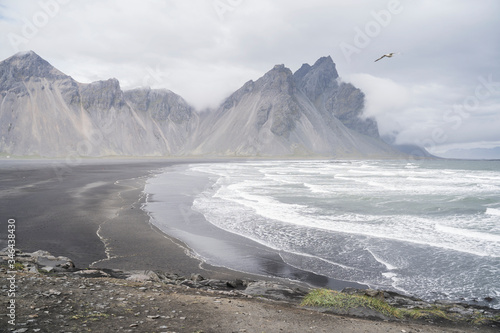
column 50, row 263
column 142, row 276
column 92, row 273
column 272, row 290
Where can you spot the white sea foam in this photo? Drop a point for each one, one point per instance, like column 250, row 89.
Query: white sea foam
column 385, row 263
column 493, row 211
column 445, row 212
column 467, row 233
column 411, row 166
column 317, row 188
column 403, row 228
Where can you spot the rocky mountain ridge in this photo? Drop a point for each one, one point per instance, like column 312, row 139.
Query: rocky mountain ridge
column 322, row 85
column 44, row 112
column 47, row 113
column 287, row 114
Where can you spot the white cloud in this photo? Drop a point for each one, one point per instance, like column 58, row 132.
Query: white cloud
column 386, row 101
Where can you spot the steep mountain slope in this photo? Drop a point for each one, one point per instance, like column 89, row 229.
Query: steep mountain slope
column 321, row 84
column 284, row 114
column 45, row 112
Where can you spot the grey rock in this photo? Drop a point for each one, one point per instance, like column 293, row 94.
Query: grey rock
column 197, row 278
column 101, row 95
column 272, row 290
column 32, row 269
column 52, row 292
column 237, row 284
column 51, row 263
column 142, row 276
column 160, row 105
column 21, row 330
column 321, row 84
column 374, row 293
column 92, row 273
column 461, row 310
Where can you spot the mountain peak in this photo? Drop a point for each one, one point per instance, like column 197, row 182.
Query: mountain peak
column 280, row 69
column 280, row 78
column 323, row 65
column 27, row 64
column 318, row 79
column 326, row 59
column 23, row 58
column 23, row 54
column 326, row 64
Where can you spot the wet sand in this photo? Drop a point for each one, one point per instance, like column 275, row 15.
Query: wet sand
column 75, row 209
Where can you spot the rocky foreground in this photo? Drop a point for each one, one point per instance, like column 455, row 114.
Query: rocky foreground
column 43, row 293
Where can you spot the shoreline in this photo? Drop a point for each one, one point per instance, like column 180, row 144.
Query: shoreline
column 101, row 227
column 173, row 215
column 92, row 213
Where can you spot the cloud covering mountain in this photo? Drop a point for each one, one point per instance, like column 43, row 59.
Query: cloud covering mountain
column 307, row 113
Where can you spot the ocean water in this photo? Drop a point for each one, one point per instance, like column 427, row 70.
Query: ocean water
column 426, row 228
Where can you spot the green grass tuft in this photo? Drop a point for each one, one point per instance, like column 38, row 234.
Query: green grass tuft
column 425, row 313
column 18, row 266
column 341, row 301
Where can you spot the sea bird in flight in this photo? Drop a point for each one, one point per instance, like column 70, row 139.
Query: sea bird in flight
column 388, row 55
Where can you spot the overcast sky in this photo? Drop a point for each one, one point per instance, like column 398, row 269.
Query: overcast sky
column 441, row 89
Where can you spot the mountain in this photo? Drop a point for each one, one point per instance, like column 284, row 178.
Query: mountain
column 299, row 114
column 321, row 84
column 408, row 149
column 307, row 113
column 45, row 112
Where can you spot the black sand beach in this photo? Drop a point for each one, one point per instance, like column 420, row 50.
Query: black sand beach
column 64, row 208
column 91, row 212
column 60, row 207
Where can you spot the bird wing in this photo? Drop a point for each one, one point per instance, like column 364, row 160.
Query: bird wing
column 380, row 58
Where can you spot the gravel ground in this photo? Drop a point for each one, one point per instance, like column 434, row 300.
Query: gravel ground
column 73, row 303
